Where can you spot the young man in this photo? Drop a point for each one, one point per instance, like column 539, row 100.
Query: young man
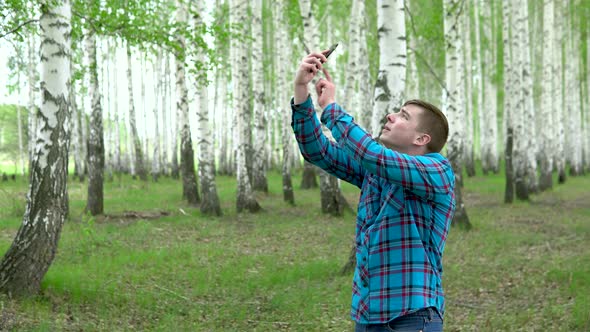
column 405, row 207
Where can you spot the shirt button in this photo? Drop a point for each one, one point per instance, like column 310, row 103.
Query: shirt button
column 365, row 284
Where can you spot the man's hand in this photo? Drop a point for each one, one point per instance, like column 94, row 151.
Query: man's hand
column 326, row 90
column 309, row 67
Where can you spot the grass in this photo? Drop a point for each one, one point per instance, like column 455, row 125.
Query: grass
column 524, row 266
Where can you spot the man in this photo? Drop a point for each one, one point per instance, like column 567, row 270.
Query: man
column 405, row 207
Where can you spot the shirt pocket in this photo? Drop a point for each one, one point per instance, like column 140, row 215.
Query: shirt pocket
column 394, row 198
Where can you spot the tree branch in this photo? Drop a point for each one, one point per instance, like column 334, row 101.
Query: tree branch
column 440, row 82
column 15, row 30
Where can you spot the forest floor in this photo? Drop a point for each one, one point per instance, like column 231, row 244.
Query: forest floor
column 155, row 264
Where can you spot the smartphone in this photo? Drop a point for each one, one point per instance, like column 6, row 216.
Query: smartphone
column 332, row 48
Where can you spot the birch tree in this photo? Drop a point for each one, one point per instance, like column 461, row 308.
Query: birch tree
column 158, row 77
column 391, row 79
column 468, row 85
column 187, row 162
column 96, row 154
column 259, row 181
column 453, row 100
column 573, row 117
column 547, row 110
column 210, row 201
column 529, row 136
column 488, row 127
column 240, row 76
column 558, row 114
column 27, row 260
column 282, row 45
column 135, row 142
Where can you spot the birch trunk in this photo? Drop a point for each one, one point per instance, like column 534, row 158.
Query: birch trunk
column 165, row 112
column 547, row 110
column 134, row 137
column 574, row 141
column 27, row 260
column 391, row 79
column 117, row 127
column 453, row 101
column 190, row 191
column 144, row 112
column 108, row 128
column 284, row 111
column 528, row 136
column 466, row 40
column 96, row 155
column 558, row 92
column 21, row 152
column 240, row 76
column 33, row 89
column 174, row 168
column 488, row 115
column 210, row 201
column 352, row 66
column 158, row 77
column 364, row 99
column 259, row 181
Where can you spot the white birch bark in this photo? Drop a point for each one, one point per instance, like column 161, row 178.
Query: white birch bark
column 454, row 100
column 109, row 126
column 509, row 100
column 515, row 92
column 210, row 200
column 240, row 76
column 488, row 127
column 187, row 163
column 284, row 109
column 165, row 112
column 96, row 153
column 33, row 89
column 138, row 166
column 352, row 66
column 558, row 92
column 364, row 99
column 529, row 136
column 27, row 260
column 159, row 78
column 259, row 181
column 391, row 80
column 468, row 84
column 547, row 109
column 117, row 127
column 142, row 72
column 574, row 141
column 21, row 152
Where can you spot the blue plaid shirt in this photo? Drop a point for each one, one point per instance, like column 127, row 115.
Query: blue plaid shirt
column 404, row 213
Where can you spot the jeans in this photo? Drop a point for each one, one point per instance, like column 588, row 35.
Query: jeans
column 423, row 320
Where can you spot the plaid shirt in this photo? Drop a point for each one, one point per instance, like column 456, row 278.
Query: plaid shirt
column 404, row 213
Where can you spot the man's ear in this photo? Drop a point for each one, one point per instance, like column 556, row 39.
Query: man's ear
column 422, row 140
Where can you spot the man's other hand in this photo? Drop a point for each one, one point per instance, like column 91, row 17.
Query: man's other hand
column 326, row 90
column 308, row 68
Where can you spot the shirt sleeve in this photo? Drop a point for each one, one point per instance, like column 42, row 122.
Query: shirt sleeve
column 317, row 149
column 425, row 175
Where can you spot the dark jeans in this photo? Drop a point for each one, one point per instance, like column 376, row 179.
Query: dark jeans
column 423, row 320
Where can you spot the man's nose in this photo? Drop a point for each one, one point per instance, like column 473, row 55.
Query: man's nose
column 390, row 117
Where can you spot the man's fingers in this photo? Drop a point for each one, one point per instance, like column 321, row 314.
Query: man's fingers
column 328, row 77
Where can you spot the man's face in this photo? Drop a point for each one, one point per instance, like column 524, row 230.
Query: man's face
column 400, row 131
